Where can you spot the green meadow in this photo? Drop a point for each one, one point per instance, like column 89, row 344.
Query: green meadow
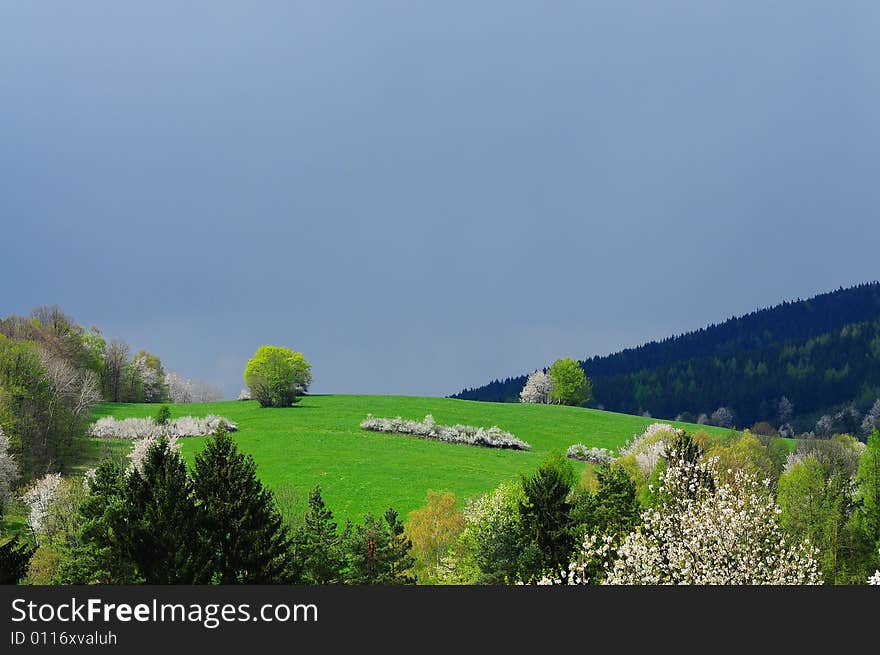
column 319, row 442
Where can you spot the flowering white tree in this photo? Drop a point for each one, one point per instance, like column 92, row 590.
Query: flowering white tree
column 784, row 410
column 39, row 498
column 180, row 389
column 537, row 389
column 8, row 469
column 183, row 390
column 705, row 534
column 872, row 418
column 722, row 417
column 148, row 370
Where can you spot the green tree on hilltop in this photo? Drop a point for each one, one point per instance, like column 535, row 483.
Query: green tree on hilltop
column 277, row 376
column 570, row 385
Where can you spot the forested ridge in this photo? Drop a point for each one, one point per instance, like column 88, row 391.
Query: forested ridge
column 819, row 353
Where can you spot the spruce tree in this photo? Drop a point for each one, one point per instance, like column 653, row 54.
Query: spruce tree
column 378, row 552
column 613, row 509
column 400, row 560
column 160, row 529
column 545, row 514
column 243, row 529
column 15, row 556
column 99, row 555
column 318, row 546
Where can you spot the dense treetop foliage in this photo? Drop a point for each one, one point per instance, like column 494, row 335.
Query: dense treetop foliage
column 277, row 376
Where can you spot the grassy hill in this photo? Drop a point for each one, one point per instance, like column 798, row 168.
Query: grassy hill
column 319, row 441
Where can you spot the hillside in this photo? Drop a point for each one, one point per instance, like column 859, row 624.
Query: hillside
column 819, row 353
column 319, row 442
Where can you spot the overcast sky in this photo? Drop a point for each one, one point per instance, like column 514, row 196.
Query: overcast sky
column 423, row 196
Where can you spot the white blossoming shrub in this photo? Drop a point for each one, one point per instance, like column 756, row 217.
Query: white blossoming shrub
column 594, row 455
column 493, row 437
column 649, row 455
column 537, row 388
column 793, row 459
column 244, row 394
column 8, row 469
column 146, row 428
column 652, row 434
column 705, row 534
column 39, row 497
column 142, row 446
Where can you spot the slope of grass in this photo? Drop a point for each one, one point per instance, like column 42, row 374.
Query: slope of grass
column 319, row 442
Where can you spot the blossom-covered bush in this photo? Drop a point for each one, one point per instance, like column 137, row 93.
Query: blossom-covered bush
column 146, row 428
column 649, row 455
column 706, row 534
column 492, row 437
column 594, row 455
column 8, row 469
column 537, row 388
column 652, row 434
column 793, row 459
column 39, row 498
column 244, row 394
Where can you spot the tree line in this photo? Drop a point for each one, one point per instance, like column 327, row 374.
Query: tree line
column 673, row 507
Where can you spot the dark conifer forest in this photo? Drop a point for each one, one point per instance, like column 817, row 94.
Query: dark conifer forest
column 821, row 354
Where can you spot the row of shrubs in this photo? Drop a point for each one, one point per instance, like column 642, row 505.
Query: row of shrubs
column 594, row 455
column 493, row 437
column 147, row 428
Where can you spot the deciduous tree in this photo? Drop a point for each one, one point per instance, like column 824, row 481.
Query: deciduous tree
column 433, row 529
column 277, row 376
column 570, row 386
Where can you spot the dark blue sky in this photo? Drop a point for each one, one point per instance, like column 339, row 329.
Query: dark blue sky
column 424, row 196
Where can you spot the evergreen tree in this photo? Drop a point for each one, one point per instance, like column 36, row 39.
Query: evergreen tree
column 160, row 529
column 15, row 556
column 378, row 552
column 545, row 514
column 317, row 545
column 614, row 509
column 243, row 529
column 99, row 555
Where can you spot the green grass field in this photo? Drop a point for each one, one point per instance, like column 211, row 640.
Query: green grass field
column 319, row 441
